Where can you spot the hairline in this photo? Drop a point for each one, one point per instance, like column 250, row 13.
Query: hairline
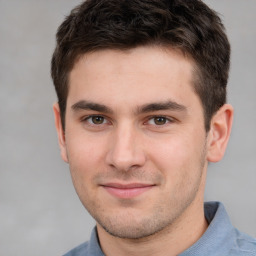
column 197, row 74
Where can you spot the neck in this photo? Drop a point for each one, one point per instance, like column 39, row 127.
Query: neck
column 172, row 240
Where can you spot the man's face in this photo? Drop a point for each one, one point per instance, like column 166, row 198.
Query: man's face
column 135, row 139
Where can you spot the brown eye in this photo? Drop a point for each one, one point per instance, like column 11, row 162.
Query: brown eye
column 160, row 120
column 97, row 119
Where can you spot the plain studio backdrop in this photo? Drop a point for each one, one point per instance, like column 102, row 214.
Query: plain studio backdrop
column 40, row 213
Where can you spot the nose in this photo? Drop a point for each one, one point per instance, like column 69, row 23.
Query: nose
column 126, row 150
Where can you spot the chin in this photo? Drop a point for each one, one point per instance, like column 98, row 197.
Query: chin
column 126, row 227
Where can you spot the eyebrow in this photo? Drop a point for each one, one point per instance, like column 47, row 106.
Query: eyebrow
column 87, row 105
column 168, row 105
column 156, row 106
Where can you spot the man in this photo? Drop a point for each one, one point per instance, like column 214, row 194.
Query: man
column 141, row 110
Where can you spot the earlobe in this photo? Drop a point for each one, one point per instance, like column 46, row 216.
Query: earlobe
column 219, row 133
column 60, row 132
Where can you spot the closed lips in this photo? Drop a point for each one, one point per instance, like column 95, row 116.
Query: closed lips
column 127, row 190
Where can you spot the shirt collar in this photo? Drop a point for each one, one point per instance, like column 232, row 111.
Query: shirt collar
column 219, row 236
column 94, row 245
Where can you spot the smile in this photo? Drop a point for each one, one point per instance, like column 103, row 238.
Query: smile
column 128, row 190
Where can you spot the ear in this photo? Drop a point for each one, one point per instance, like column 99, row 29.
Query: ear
column 219, row 133
column 60, row 132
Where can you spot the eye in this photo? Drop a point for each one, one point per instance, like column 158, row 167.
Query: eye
column 158, row 120
column 96, row 120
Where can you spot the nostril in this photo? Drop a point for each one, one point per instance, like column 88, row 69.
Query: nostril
column 125, row 160
column 125, row 151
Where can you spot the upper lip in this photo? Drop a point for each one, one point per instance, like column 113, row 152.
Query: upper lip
column 127, row 186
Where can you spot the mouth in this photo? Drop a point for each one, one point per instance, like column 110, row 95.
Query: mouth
column 127, row 190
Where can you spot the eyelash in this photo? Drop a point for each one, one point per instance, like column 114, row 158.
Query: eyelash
column 87, row 118
column 166, row 120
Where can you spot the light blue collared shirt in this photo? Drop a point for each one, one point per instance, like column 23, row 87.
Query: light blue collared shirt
column 220, row 238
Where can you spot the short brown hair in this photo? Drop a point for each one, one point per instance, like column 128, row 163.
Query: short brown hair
column 188, row 25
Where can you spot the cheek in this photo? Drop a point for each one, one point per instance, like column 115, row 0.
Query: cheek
column 177, row 156
column 83, row 149
column 169, row 151
column 83, row 164
column 84, row 160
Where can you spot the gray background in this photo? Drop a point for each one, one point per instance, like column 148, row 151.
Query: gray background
column 40, row 213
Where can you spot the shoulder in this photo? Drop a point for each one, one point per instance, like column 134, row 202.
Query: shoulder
column 81, row 250
column 244, row 245
column 91, row 247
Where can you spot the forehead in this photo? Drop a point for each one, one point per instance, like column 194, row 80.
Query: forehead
column 134, row 76
column 139, row 59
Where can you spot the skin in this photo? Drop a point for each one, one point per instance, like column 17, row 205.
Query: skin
column 138, row 150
